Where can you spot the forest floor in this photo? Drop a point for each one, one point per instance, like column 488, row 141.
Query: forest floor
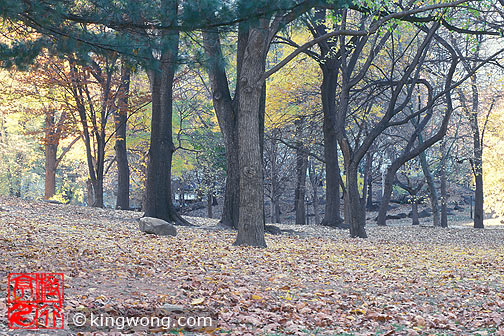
column 402, row 280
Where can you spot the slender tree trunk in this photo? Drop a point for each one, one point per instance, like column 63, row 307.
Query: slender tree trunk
column 157, row 201
column 388, row 185
column 121, row 117
column 414, row 212
column 301, row 165
column 274, row 195
column 477, row 162
column 369, row 202
column 367, row 169
column 209, row 204
column 315, row 198
column 50, row 170
column 433, row 195
column 226, row 116
column 444, row 196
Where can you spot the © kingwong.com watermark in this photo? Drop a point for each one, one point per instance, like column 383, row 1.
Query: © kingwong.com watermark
column 96, row 321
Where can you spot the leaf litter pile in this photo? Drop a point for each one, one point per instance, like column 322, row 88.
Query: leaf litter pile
column 315, row 281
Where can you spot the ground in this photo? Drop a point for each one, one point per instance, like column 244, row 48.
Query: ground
column 402, row 280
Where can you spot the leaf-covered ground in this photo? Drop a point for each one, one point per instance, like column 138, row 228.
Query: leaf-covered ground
column 401, row 281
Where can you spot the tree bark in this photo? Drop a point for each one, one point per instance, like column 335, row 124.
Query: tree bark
column 332, row 215
column 251, row 214
column 226, row 116
column 414, row 212
column 444, row 196
column 356, row 210
column 209, row 204
column 301, row 166
column 158, row 194
column 315, row 198
column 477, row 162
column 121, row 117
column 433, row 195
column 50, row 170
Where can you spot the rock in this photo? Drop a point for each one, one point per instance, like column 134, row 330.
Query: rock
column 458, row 208
column 274, row 230
column 170, row 308
column 422, row 214
column 157, row 226
column 53, row 202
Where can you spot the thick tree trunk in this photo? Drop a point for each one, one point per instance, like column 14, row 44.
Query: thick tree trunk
column 121, row 117
column 158, row 201
column 50, row 170
column 332, row 215
column 251, row 214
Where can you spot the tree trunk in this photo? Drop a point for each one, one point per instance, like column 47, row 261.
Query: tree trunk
column 50, row 170
column 121, row 117
column 356, row 210
column 274, row 195
column 414, row 212
column 388, row 184
column 369, row 202
column 226, row 116
column 367, row 170
column 332, row 215
column 477, row 162
column 315, row 198
column 433, row 195
column 251, row 214
column 301, row 165
column 209, row 205
column 158, row 201
column 444, row 196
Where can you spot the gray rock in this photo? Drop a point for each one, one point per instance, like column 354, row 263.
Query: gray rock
column 274, row 230
column 157, row 226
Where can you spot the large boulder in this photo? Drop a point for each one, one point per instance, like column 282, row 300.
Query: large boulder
column 157, row 226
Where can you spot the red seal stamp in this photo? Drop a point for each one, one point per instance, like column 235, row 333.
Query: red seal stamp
column 35, row 301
